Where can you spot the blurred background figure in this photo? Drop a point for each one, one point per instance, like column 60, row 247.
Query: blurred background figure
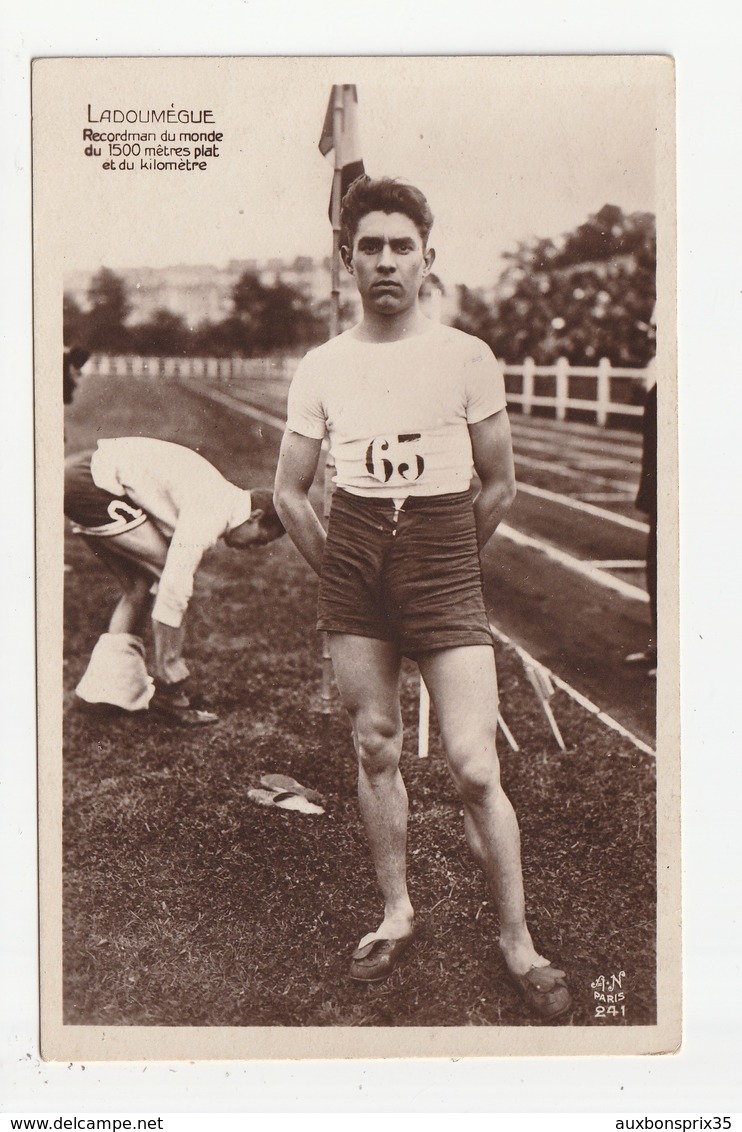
column 72, row 362
column 646, row 501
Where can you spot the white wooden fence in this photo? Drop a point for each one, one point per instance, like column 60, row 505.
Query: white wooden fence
column 599, row 390
column 214, row 369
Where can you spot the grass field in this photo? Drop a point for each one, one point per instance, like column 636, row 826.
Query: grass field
column 185, row 904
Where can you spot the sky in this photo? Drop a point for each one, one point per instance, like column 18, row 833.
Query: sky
column 505, row 150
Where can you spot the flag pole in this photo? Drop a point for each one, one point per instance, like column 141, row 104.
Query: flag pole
column 337, row 178
column 334, row 330
column 336, row 201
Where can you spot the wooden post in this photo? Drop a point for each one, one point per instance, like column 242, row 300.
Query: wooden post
column 529, row 367
column 326, row 693
column 562, row 388
column 507, row 733
column 435, row 312
column 540, row 680
column 603, row 392
column 423, row 725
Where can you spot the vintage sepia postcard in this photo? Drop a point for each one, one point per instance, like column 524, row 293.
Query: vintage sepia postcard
column 368, row 379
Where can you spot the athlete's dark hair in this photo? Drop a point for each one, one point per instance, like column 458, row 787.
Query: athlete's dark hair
column 262, row 500
column 384, row 194
column 75, row 357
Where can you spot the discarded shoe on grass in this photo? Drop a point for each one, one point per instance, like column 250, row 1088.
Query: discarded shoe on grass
column 377, row 959
column 545, row 990
column 286, row 793
column 283, row 783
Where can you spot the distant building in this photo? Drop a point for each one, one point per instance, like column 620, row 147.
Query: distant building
column 196, row 293
column 203, row 293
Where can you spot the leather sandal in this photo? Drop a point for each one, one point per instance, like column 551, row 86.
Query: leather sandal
column 376, row 960
column 545, row 990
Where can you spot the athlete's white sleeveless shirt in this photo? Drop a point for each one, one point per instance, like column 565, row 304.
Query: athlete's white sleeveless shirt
column 397, row 413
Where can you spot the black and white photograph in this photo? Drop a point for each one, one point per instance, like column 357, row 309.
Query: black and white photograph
column 357, row 556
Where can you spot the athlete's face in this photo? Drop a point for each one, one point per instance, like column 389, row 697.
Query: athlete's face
column 388, row 261
column 250, row 533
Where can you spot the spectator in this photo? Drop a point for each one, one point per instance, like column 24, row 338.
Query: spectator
column 646, row 501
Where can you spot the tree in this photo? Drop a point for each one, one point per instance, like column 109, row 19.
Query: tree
column 74, row 321
column 164, row 335
column 221, row 339
column 320, row 311
column 586, row 296
column 272, row 317
column 109, row 308
column 476, row 316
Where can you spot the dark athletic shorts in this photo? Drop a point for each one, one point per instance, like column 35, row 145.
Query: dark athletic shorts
column 414, row 578
column 94, row 510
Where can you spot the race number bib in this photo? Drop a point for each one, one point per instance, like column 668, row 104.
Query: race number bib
column 123, row 514
column 396, row 459
column 124, row 517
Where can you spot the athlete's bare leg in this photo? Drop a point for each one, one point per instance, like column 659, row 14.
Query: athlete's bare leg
column 367, row 675
column 136, row 559
column 463, row 687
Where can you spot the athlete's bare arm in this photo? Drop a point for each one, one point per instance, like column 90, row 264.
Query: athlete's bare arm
column 169, row 664
column 297, row 465
column 493, row 462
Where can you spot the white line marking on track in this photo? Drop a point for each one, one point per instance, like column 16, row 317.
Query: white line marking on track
column 560, row 440
column 571, row 473
column 236, row 406
column 576, row 565
column 605, row 496
column 578, row 697
column 579, row 458
column 604, row 462
column 586, row 508
column 618, row 564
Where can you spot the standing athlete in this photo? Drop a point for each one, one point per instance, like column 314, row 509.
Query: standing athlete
column 411, row 408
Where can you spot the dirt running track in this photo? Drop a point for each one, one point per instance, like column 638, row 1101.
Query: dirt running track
column 578, row 629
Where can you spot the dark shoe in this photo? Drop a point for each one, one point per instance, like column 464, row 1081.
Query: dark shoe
column 376, row 960
column 182, row 716
column 545, row 990
column 102, row 710
column 171, row 704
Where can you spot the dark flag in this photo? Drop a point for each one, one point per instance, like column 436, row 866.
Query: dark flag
column 346, row 147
